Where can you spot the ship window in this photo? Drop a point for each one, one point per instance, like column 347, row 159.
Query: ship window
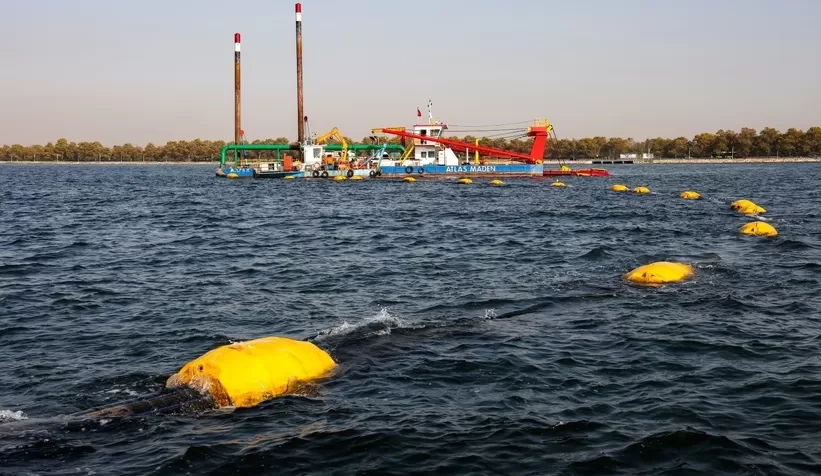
column 317, row 153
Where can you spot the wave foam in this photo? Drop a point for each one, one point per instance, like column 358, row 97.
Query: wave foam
column 8, row 415
column 379, row 325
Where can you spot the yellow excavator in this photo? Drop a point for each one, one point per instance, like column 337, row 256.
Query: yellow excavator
column 335, row 133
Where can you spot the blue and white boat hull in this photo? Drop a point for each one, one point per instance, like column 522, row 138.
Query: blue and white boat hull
column 495, row 170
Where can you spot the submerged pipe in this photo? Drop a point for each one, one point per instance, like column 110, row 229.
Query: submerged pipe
column 169, row 400
column 299, row 108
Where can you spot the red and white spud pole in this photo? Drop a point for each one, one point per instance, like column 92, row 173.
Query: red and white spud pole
column 237, row 111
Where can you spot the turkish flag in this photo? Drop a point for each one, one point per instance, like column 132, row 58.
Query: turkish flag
column 418, row 112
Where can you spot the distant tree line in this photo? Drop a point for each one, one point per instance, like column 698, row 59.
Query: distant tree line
column 724, row 143
column 768, row 142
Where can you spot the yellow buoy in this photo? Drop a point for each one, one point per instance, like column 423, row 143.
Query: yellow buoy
column 339, row 178
column 747, row 207
column 759, row 228
column 247, row 373
column 690, row 195
column 289, row 177
column 356, row 177
column 557, row 184
column 741, row 204
column 465, row 181
column 654, row 274
column 232, row 175
column 409, row 179
column 496, row 182
column 619, row 188
column 641, row 190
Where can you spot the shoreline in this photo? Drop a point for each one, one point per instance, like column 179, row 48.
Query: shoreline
column 571, row 163
column 749, row 160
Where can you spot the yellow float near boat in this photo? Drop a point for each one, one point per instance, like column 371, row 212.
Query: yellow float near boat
column 497, row 182
column 340, row 178
column 660, row 272
column 409, row 179
column 619, row 188
column 356, row 177
column 758, row 228
column 232, row 175
column 641, row 190
column 747, row 207
column 289, row 177
column 558, row 184
column 690, row 195
column 465, row 181
column 247, row 373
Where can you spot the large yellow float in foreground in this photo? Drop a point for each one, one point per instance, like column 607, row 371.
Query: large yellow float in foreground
column 244, row 374
column 239, row 375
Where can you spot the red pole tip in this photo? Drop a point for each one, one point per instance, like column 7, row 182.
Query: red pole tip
column 299, row 8
column 236, row 37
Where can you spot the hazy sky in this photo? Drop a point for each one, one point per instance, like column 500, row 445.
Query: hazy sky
column 159, row 70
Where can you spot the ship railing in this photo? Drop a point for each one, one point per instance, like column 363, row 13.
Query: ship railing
column 258, row 165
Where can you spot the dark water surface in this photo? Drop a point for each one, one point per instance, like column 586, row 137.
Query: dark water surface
column 479, row 330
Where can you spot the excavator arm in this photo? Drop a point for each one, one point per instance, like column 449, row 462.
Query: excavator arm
column 335, row 133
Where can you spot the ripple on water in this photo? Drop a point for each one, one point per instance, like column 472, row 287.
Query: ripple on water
column 478, row 330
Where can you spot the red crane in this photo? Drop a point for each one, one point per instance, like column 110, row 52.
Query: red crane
column 539, row 131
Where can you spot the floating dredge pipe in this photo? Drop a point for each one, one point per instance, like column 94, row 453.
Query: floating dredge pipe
column 280, row 147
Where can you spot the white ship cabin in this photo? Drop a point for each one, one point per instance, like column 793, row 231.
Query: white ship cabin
column 313, row 154
column 428, row 152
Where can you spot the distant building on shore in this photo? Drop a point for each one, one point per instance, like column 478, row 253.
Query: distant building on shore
column 634, row 156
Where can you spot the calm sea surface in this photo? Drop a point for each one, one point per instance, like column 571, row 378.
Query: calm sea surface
column 479, row 330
